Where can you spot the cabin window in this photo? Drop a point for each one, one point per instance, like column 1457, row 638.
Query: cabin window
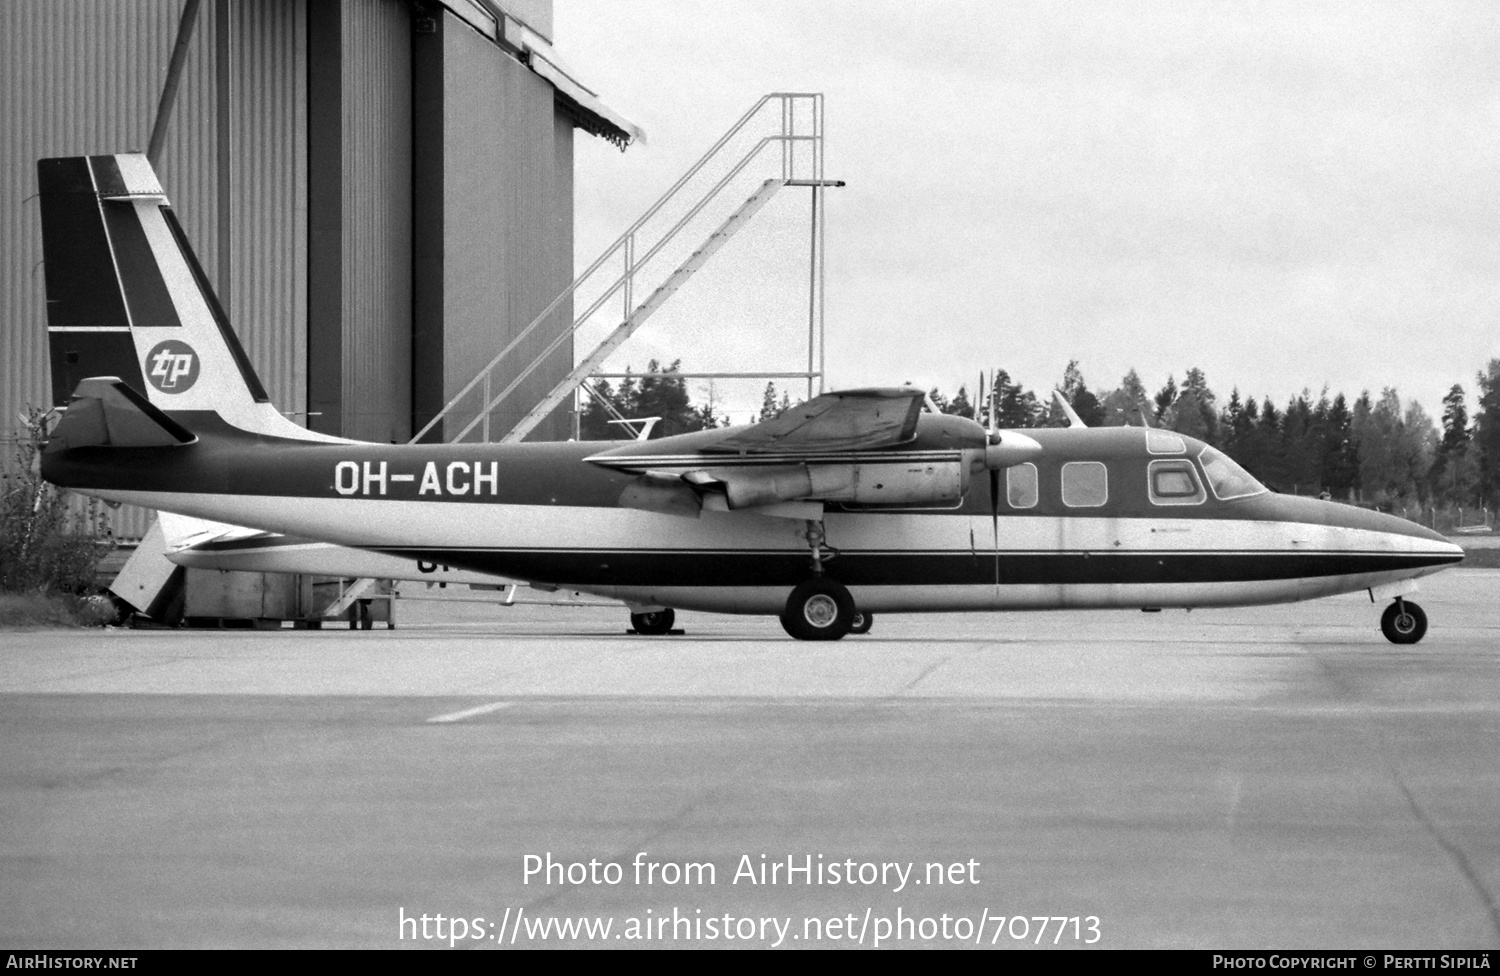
column 1227, row 479
column 1085, row 484
column 1164, row 442
column 1174, row 483
column 1020, row 485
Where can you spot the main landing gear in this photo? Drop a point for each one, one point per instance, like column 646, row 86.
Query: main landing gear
column 821, row 608
column 1403, row 622
column 818, row 609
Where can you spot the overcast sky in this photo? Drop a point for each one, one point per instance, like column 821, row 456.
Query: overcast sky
column 1286, row 195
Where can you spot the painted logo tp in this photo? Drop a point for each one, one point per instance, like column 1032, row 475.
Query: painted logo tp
column 172, row 366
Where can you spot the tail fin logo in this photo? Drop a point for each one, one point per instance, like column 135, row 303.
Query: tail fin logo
column 172, row 366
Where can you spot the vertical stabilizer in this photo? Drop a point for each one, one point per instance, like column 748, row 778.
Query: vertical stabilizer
column 127, row 297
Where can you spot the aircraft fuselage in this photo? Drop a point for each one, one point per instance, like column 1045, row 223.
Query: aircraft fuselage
column 543, row 514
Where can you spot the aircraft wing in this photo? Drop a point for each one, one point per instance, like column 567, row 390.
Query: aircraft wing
column 830, row 449
column 853, row 420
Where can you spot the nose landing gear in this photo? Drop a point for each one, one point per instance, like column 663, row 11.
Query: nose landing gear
column 653, row 623
column 1403, row 622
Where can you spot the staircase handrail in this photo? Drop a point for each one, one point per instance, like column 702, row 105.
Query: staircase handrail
column 620, row 242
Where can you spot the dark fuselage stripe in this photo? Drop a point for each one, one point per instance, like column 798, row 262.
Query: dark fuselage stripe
column 601, row 567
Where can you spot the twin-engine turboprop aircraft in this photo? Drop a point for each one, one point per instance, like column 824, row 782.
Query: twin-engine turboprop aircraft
column 852, row 504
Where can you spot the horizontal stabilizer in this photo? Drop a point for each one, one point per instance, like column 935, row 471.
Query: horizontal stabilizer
column 105, row 412
column 184, row 531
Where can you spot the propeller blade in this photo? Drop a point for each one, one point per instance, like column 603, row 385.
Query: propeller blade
column 995, row 519
column 994, row 395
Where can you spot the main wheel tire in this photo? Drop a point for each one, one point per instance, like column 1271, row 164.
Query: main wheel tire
column 862, row 622
column 819, row 609
column 1403, row 623
column 653, row 623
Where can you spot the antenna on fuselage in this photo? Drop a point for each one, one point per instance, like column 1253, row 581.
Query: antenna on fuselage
column 1067, row 408
column 643, row 432
column 992, row 436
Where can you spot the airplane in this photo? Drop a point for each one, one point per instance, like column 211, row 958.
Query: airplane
column 200, row 544
column 852, row 504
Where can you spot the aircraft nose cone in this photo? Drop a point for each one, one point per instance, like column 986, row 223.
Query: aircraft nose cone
column 1439, row 541
column 1411, row 534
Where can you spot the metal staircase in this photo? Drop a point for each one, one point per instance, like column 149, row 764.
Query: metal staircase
column 789, row 121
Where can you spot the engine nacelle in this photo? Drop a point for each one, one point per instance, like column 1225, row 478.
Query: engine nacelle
column 878, row 483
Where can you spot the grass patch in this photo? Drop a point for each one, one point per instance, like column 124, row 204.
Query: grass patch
column 46, row 610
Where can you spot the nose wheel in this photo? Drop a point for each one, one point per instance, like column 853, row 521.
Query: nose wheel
column 1403, row 622
column 653, row 623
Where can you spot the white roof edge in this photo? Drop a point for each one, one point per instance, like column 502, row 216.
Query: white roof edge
column 543, row 60
column 586, row 100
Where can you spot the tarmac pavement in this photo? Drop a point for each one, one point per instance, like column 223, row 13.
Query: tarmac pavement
column 1276, row 777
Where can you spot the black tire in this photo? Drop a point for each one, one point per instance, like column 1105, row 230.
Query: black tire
column 819, row 609
column 1403, row 623
column 653, row 623
column 861, row 623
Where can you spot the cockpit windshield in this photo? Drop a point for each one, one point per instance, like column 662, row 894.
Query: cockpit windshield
column 1228, row 479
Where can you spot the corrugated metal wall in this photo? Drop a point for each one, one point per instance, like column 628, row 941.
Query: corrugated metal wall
column 78, row 76
column 504, row 147
column 377, row 221
column 268, row 193
column 85, row 77
column 74, row 78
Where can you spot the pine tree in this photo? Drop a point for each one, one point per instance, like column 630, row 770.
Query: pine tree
column 1454, row 476
column 1265, row 441
column 1340, row 459
column 1133, row 387
column 594, row 424
column 1165, row 397
column 1208, row 413
column 662, row 393
column 1123, row 406
column 768, row 407
column 1186, row 416
column 1015, row 406
column 1232, row 424
column 1084, row 403
column 1486, row 437
column 1299, row 462
column 960, row 404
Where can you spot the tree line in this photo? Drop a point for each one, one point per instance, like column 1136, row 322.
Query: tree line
column 1377, row 450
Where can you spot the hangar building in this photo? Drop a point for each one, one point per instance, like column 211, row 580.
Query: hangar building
column 380, row 190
